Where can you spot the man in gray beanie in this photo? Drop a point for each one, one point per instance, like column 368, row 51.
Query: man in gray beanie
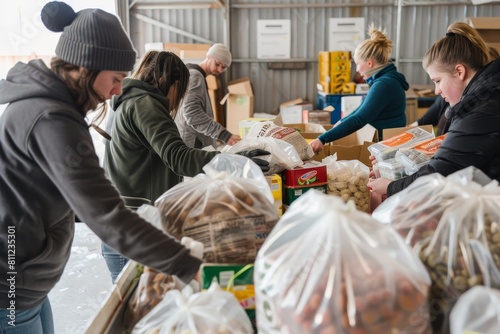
column 195, row 118
column 49, row 170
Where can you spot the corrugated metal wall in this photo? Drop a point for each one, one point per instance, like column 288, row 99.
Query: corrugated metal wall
column 421, row 23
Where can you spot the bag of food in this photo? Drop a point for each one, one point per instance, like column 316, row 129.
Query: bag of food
column 282, row 154
column 453, row 224
column 413, row 158
column 387, row 148
column 229, row 214
column 476, row 311
column 184, row 312
column 153, row 285
column 290, row 135
column 348, row 179
column 329, row 268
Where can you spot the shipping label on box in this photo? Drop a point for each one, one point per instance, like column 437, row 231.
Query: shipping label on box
column 273, row 39
column 345, row 34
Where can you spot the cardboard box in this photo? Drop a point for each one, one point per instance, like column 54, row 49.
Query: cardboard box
column 353, row 146
column 292, row 111
column 240, row 103
column 488, row 28
column 215, row 94
column 110, row 318
column 316, row 117
column 192, row 53
column 290, row 194
column 346, row 33
column 274, row 39
column 309, row 131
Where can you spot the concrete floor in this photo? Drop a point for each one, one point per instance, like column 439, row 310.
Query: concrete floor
column 84, row 286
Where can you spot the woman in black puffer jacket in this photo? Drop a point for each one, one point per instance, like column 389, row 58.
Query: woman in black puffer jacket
column 464, row 75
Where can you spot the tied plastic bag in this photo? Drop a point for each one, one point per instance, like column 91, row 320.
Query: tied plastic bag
column 229, row 214
column 289, row 135
column 453, row 223
column 476, row 311
column 329, row 268
column 283, row 155
column 208, row 312
column 348, row 180
column 153, row 285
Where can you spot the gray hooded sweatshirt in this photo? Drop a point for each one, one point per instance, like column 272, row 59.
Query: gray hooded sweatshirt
column 48, row 172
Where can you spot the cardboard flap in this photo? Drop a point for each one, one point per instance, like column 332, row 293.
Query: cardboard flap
column 240, row 86
column 224, row 99
column 212, row 82
column 366, row 133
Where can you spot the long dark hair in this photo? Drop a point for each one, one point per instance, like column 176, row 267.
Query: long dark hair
column 164, row 69
column 81, row 87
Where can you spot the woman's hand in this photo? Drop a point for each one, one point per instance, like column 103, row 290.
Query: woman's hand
column 316, row 145
column 373, row 162
column 379, row 185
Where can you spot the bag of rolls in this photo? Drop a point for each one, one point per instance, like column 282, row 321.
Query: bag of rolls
column 330, row 268
column 453, row 223
column 229, row 209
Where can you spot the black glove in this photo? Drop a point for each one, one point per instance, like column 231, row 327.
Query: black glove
column 252, row 154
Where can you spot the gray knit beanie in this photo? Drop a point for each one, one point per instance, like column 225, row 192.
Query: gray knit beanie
column 221, row 53
column 91, row 38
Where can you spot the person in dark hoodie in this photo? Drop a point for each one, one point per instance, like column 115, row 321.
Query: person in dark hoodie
column 49, row 170
column 146, row 155
column 385, row 103
column 466, row 76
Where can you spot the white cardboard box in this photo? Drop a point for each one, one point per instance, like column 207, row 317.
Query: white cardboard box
column 273, row 39
column 346, row 33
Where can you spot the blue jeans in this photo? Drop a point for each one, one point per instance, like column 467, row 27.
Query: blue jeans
column 114, row 260
column 37, row 320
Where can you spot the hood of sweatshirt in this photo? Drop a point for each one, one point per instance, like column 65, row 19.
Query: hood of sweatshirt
column 133, row 88
column 33, row 80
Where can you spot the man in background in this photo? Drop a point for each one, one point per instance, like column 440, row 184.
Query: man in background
column 195, row 118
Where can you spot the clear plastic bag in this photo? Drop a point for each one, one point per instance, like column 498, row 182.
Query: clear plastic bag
column 348, row 180
column 184, row 312
column 283, row 155
column 329, row 268
column 476, row 311
column 289, row 135
column 386, row 149
column 453, row 223
column 231, row 215
column 415, row 157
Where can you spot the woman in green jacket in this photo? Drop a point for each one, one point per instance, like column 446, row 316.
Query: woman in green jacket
column 147, row 155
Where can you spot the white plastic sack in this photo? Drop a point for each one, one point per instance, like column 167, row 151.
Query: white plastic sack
column 329, row 268
column 283, row 155
column 208, row 312
column 476, row 311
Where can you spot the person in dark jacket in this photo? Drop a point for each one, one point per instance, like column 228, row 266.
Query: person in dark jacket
column 49, row 169
column 464, row 74
column 385, row 103
column 436, row 116
column 146, row 155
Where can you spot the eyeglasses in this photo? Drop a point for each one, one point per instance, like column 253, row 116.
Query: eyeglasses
column 221, row 65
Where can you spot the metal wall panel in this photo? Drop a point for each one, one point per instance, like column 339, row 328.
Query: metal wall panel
column 421, row 24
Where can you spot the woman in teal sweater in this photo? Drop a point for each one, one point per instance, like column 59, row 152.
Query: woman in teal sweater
column 385, row 103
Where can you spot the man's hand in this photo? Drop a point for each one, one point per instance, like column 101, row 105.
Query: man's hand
column 233, row 140
column 252, row 154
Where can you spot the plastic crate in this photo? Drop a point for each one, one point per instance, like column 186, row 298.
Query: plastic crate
column 324, row 100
